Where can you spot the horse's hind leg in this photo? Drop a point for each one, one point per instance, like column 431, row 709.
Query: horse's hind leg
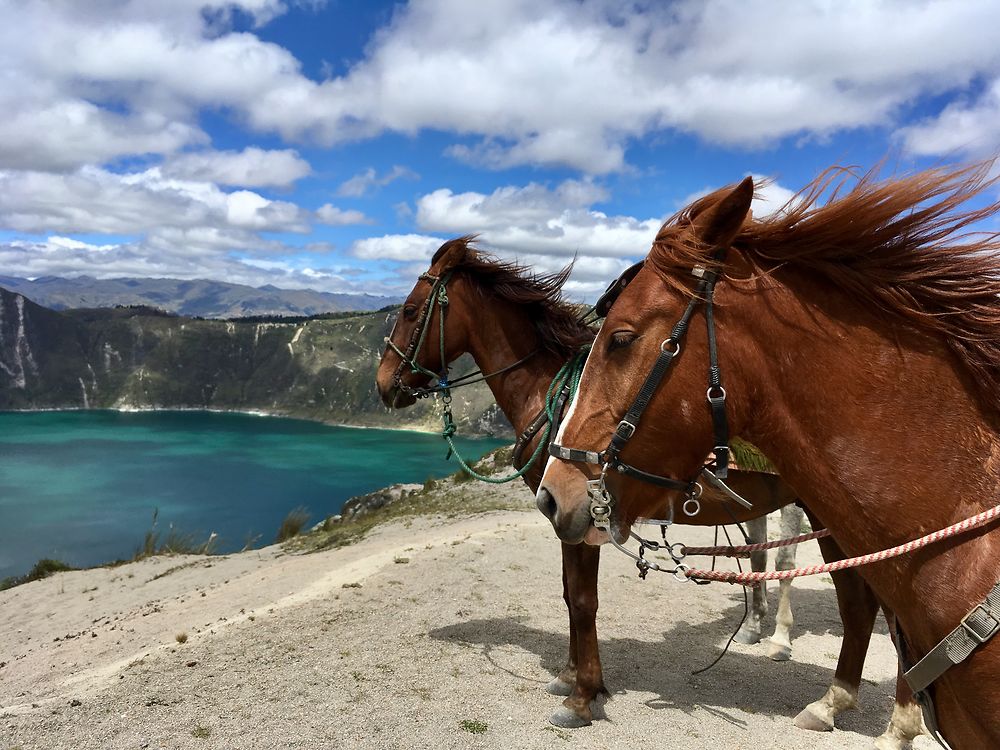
column 858, row 608
column 750, row 632
column 584, row 703
column 907, row 722
column 779, row 647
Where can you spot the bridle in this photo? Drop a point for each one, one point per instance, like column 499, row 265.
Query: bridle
column 716, row 470
column 438, row 295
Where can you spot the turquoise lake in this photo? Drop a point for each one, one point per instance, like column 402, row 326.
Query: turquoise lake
column 82, row 486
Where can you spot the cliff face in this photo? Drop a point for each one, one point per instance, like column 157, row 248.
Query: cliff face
column 317, row 368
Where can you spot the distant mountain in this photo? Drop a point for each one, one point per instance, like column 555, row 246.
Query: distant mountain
column 198, row 298
column 316, row 368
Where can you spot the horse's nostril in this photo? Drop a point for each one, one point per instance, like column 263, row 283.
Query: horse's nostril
column 546, row 503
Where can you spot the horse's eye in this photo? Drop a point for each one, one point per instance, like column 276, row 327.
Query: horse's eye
column 621, row 339
column 410, row 312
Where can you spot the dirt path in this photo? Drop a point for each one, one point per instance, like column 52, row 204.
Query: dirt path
column 409, row 639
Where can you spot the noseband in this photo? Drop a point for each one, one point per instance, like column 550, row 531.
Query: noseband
column 716, row 470
column 438, row 294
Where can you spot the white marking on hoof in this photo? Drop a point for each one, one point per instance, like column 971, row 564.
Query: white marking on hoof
column 810, row 721
column 747, row 636
column 907, row 722
column 819, row 715
column 559, row 687
column 568, row 719
column 779, row 651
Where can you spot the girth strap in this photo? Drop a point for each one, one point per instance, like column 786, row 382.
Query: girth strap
column 976, row 628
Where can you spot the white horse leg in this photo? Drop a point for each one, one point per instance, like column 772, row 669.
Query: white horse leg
column 819, row 716
column 750, row 632
column 906, row 724
column 780, row 646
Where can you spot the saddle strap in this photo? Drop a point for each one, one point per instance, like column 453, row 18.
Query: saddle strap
column 976, row 628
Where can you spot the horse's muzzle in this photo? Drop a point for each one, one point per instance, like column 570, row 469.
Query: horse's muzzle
column 571, row 525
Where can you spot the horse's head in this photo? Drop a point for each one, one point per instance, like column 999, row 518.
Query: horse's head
column 676, row 433
column 414, row 348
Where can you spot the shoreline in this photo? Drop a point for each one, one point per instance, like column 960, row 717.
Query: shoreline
column 247, row 412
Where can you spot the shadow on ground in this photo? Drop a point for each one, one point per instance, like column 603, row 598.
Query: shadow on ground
column 749, row 682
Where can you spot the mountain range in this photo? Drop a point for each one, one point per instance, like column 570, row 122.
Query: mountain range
column 319, row 368
column 198, row 298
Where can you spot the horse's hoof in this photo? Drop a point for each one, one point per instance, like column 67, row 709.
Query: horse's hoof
column 808, row 720
column 779, row 651
column 568, row 719
column 747, row 637
column 559, row 687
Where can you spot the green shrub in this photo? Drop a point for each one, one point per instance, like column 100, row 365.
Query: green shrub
column 293, row 524
column 41, row 569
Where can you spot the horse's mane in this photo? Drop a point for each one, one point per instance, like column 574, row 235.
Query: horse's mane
column 902, row 244
column 557, row 321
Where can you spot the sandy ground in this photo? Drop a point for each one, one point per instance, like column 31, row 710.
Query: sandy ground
column 398, row 640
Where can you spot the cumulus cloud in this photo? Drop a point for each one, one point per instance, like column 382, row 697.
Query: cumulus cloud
column 971, row 127
column 536, row 220
column 251, row 167
column 400, row 247
column 365, row 182
column 97, row 201
column 330, row 214
column 545, row 228
column 559, row 82
column 66, row 256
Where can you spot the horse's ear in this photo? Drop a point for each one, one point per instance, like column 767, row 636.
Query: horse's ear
column 449, row 255
column 718, row 225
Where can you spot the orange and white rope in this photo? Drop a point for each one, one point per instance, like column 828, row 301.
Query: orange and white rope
column 752, row 579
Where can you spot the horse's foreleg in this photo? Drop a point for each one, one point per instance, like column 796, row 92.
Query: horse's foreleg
column 780, row 646
column 580, row 563
column 858, row 607
column 563, row 683
column 750, row 632
column 907, row 721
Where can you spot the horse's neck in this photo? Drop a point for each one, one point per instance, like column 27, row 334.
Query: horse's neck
column 879, row 429
column 499, row 342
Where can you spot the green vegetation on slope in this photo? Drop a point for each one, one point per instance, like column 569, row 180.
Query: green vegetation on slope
column 316, row 368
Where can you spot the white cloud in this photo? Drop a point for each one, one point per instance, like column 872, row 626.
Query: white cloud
column 557, row 82
column 97, row 201
column 251, row 167
column 971, row 127
column 536, row 220
column 330, row 214
column 64, row 256
column 365, row 182
column 400, row 247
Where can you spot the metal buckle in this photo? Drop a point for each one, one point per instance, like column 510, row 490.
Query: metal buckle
column 620, row 432
column 973, row 633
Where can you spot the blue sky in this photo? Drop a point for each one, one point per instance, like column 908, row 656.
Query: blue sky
column 334, row 145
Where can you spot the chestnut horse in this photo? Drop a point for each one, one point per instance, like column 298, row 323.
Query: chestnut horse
column 502, row 315
column 860, row 346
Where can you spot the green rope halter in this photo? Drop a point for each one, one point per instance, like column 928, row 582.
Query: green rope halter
column 568, row 377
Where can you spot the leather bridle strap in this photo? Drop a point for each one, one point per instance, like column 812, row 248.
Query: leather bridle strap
column 669, row 349
column 437, row 294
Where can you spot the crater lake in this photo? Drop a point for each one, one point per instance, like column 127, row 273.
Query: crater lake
column 82, row 486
